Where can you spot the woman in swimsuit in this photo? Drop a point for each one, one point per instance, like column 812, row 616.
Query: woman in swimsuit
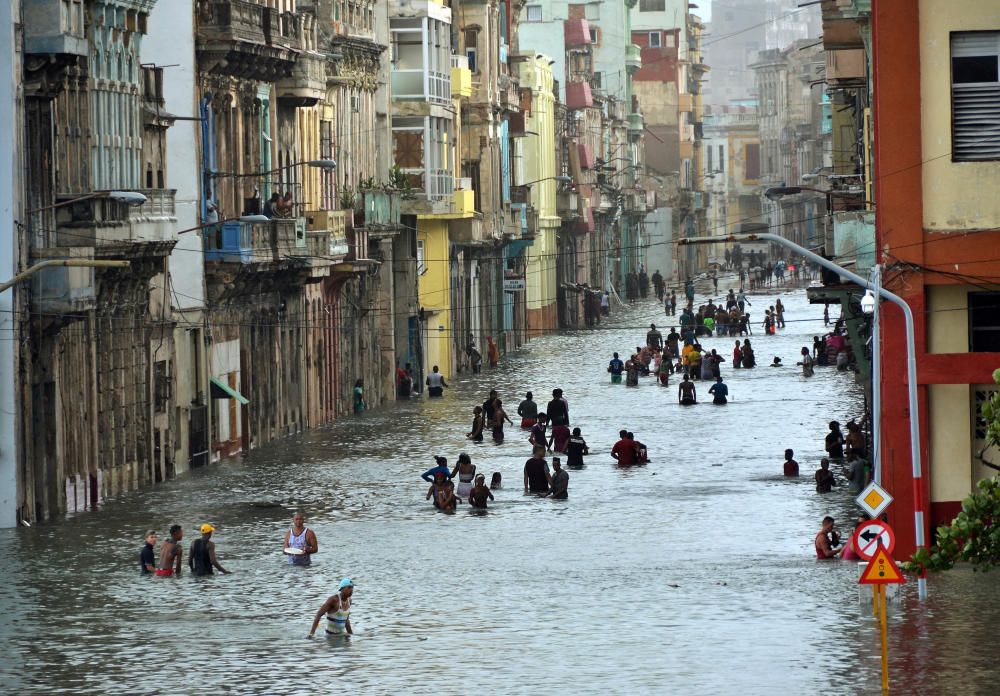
column 466, row 472
column 480, row 493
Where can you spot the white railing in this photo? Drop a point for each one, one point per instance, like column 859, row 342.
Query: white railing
column 460, row 62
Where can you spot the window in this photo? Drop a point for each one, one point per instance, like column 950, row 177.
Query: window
column 670, row 40
column 975, row 96
column 421, row 267
column 592, row 11
column 751, row 161
column 654, row 39
column 595, row 36
column 984, row 322
column 534, row 13
column 652, row 5
column 722, row 160
column 471, row 54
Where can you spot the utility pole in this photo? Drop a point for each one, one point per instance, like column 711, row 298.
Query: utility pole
column 10, row 206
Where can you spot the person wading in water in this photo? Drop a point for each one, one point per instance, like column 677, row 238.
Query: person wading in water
column 300, row 537
column 686, row 393
column 337, row 610
column 202, row 554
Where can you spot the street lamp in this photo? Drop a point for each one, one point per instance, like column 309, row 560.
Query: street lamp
column 325, row 164
column 560, row 179
column 868, row 302
column 130, row 198
column 911, row 361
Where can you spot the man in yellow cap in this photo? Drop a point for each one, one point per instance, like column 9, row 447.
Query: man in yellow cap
column 202, row 559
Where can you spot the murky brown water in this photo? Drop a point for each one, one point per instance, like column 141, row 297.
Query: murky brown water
column 692, row 575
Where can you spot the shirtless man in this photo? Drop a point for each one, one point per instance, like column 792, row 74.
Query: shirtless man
column 171, row 553
column 300, row 537
column 824, row 548
column 686, row 393
column 337, row 610
column 654, row 339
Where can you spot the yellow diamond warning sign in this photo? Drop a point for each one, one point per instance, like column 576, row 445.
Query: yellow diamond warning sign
column 874, row 499
column 881, row 570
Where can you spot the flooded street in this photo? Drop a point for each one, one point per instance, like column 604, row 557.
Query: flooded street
column 695, row 573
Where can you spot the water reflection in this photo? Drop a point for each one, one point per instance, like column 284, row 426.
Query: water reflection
column 694, row 573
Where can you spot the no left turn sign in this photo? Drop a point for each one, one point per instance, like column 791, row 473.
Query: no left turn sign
column 869, row 536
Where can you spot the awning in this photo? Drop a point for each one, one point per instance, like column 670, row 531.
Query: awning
column 221, row 390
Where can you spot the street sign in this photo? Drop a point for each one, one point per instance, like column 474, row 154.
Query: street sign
column 871, row 536
column 881, row 570
column 513, row 284
column 874, row 499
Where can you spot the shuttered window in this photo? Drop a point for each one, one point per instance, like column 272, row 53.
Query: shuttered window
column 975, row 96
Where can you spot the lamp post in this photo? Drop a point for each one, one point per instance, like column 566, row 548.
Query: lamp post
column 559, row 179
column 130, row 198
column 911, row 362
column 325, row 164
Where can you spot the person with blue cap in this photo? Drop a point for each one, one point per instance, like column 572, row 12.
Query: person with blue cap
column 337, row 609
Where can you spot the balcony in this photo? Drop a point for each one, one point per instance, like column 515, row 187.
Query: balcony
column 271, row 242
column 567, row 205
column 461, row 77
column 854, row 239
column 586, row 222
column 635, row 124
column 380, row 213
column 578, row 95
column 326, row 236
column 616, row 110
column 510, row 93
column 587, row 158
column 116, row 229
column 246, row 39
column 576, row 33
column 54, row 27
column 469, row 231
column 633, row 59
column 306, row 85
column 847, row 68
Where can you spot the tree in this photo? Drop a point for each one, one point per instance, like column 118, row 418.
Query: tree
column 974, row 535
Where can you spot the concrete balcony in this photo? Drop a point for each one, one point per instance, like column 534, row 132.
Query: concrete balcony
column 854, row 239
column 616, row 110
column 380, row 213
column 306, row 85
column 847, row 68
column 469, row 231
column 326, row 239
column 510, row 93
column 54, row 27
column 578, row 95
column 246, row 39
column 635, row 124
column 461, row 77
column 263, row 243
column 116, row 229
column 586, row 223
column 576, row 33
column 633, row 59
column 567, row 205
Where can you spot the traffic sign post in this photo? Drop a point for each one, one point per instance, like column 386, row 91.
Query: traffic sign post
column 882, row 571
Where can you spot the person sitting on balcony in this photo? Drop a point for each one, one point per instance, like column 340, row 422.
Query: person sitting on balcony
column 284, row 207
column 271, row 207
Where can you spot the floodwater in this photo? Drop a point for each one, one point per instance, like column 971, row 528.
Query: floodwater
column 694, row 574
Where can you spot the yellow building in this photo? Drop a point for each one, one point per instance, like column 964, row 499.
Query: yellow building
column 537, row 168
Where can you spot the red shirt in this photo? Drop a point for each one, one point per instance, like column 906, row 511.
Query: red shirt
column 791, row 468
column 625, row 449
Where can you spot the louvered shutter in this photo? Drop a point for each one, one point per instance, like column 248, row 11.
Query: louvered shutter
column 975, row 95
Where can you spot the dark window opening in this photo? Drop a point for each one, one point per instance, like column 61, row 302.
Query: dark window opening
column 974, row 69
column 984, row 322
